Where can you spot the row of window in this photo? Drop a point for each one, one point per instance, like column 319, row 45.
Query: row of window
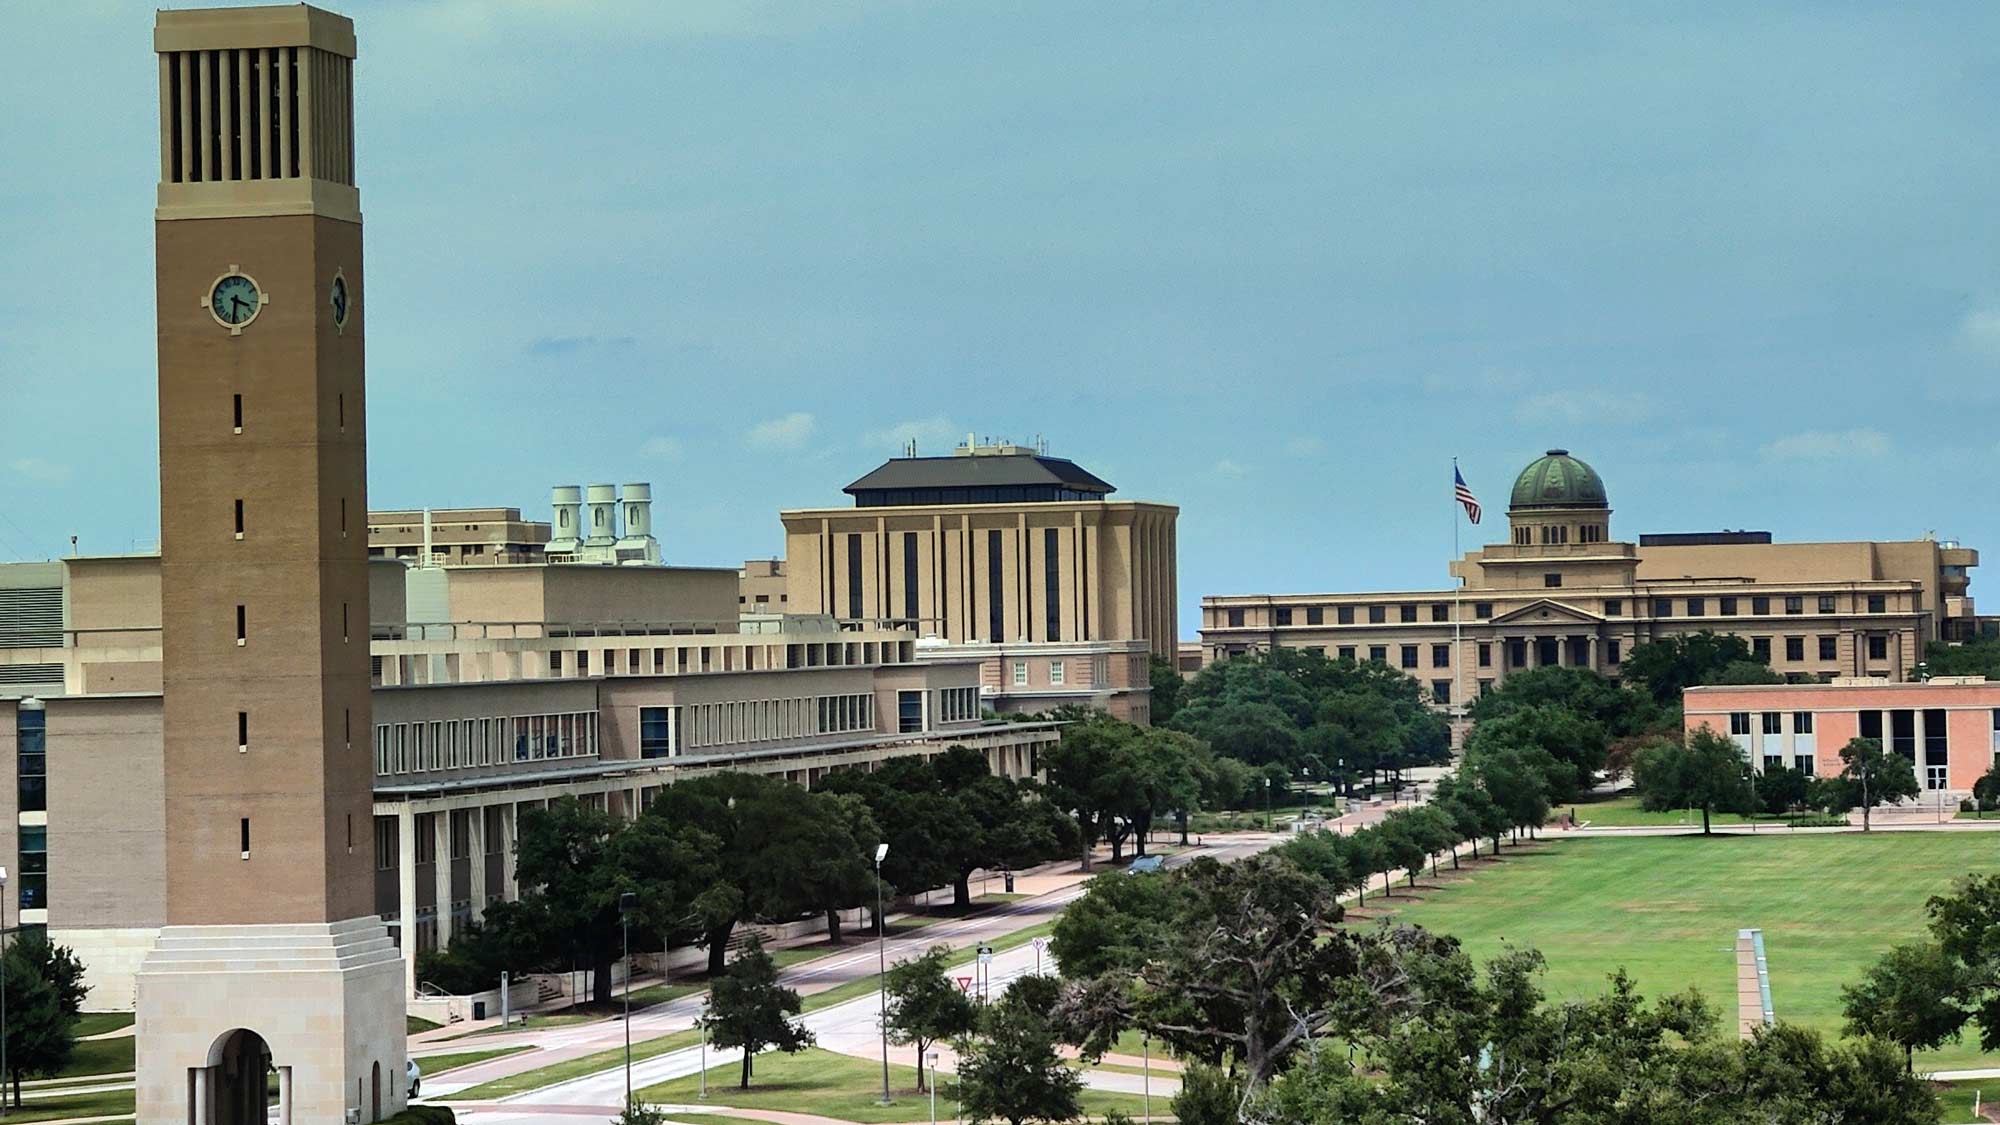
column 1058, row 673
column 958, row 705
column 1760, row 606
column 1771, row 722
column 31, row 734
column 1556, row 535
column 1441, row 654
column 442, row 744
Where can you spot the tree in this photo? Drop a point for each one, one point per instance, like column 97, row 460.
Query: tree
column 1781, row 789
column 1406, row 841
column 1256, row 733
column 1567, row 736
column 1323, row 855
column 1972, row 658
column 45, row 989
column 1671, row 665
column 1870, row 776
column 1437, row 832
column 1620, row 711
column 1707, row 772
column 747, row 1008
column 925, row 1006
column 1986, row 791
column 637, row 1112
column 1011, row 1070
column 1910, row 998
column 1168, row 686
column 1207, row 1097
column 1522, row 781
column 1966, row 926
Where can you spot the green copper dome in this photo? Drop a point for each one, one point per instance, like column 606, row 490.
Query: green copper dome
column 1559, row 481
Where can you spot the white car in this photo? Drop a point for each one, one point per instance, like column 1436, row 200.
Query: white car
column 414, row 1075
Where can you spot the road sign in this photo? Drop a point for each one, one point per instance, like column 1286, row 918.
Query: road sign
column 1041, row 944
column 964, row 984
column 986, row 955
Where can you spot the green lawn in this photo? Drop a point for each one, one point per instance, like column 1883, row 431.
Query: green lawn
column 1667, row 908
column 434, row 1065
column 75, row 1105
column 841, row 1086
column 575, row 1068
column 97, row 1023
column 417, row 1024
column 567, row 1017
column 100, row 1056
column 1957, row 1100
column 718, row 1119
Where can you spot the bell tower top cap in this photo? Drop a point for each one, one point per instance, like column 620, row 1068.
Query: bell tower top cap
column 275, row 25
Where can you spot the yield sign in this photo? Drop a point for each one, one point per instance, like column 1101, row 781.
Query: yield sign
column 964, row 984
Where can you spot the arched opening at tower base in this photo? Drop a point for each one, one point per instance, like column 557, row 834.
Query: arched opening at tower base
column 240, row 1086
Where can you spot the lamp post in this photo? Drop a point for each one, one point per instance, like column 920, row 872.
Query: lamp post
column 626, row 902
column 932, row 1058
column 1267, row 804
column 1146, row 1042
column 6, row 1088
column 882, row 967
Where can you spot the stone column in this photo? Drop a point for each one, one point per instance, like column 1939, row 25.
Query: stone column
column 475, row 846
column 510, row 885
column 406, row 892
column 441, row 870
column 284, row 1095
column 200, row 1096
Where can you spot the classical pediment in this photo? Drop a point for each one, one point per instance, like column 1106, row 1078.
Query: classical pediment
column 1547, row 611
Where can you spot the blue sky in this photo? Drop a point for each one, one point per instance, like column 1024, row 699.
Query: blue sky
column 1275, row 263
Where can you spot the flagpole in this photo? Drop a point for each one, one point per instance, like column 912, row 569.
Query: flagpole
column 1457, row 607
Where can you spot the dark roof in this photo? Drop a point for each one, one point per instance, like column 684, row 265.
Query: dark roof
column 1702, row 538
column 982, row 471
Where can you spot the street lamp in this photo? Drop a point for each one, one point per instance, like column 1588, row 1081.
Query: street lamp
column 5, row 1090
column 932, row 1058
column 882, row 967
column 626, row 903
column 1147, row 1045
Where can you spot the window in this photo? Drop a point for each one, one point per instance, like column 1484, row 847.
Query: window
column 996, row 616
column 1020, row 673
column 1878, row 603
column 1795, row 604
column 1761, row 648
column 1773, row 723
column 1440, row 691
column 1614, row 607
column 1697, row 607
column 1235, row 620
column 1802, row 722
column 34, row 847
column 958, row 705
column 909, row 712
column 1826, row 603
column 1523, row 537
column 1440, row 656
column 1485, row 654
column 1440, row 611
column 243, row 831
column 1728, row 606
column 1344, row 614
column 239, row 519
column 1281, row 617
column 1795, row 648
column 1346, row 652
column 1051, row 582
column 1827, row 648
column 854, row 605
column 1315, row 615
column 1482, row 610
column 909, row 577
column 1803, row 763
column 1377, row 614
column 1485, row 686
column 1555, row 535
column 31, row 759
column 1552, row 580
column 242, row 626
column 1760, row 605
column 1611, row 652
column 1378, row 653
column 1056, row 673
column 1878, row 648
column 1773, row 762
column 1409, row 656
column 1406, row 614
column 656, row 732
column 242, row 730
column 1663, row 607
column 1739, row 722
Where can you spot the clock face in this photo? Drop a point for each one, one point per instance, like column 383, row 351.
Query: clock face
column 235, row 300
column 339, row 302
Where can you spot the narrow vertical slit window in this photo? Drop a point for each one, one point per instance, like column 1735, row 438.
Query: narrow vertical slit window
column 350, row 832
column 347, row 727
column 236, row 412
column 239, row 519
column 343, row 517
column 243, row 830
column 242, row 620
column 340, row 411
column 343, row 622
column 242, row 731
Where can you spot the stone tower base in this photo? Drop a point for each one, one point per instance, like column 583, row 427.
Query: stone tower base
column 322, row 1004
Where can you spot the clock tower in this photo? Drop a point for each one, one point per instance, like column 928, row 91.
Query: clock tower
column 272, row 959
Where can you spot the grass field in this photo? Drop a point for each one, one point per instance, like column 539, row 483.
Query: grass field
column 97, row 1023
column 107, row 1103
column 575, row 1068
column 1956, row 1100
column 434, row 1065
column 841, row 1086
column 100, row 1056
column 1667, row 908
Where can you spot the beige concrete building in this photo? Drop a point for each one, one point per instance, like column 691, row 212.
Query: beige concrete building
column 458, row 536
column 994, row 546
column 1561, row 590
column 760, row 587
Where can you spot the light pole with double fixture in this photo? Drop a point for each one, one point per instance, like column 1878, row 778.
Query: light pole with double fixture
column 882, row 967
column 626, row 903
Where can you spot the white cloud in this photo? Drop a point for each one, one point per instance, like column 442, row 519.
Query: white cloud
column 34, row 468
column 934, row 435
column 1979, row 332
column 788, row 432
column 1573, row 407
column 664, row 447
column 1816, row 444
column 1228, row 468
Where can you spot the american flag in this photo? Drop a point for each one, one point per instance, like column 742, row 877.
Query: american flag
column 1464, row 495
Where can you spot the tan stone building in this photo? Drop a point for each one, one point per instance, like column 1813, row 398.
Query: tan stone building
column 458, row 536
column 1561, row 590
column 760, row 587
column 995, row 545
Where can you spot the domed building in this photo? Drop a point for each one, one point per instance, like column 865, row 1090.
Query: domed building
column 1561, row 590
